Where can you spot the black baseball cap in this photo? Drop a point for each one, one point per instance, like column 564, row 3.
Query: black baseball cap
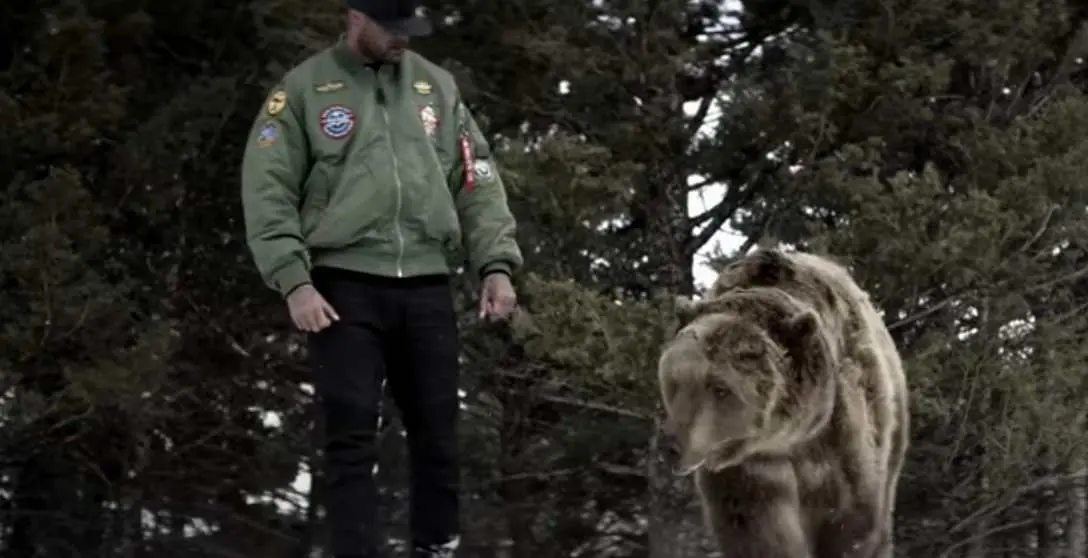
column 396, row 16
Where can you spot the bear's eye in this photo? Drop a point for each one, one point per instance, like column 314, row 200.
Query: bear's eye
column 720, row 392
column 749, row 349
column 749, row 353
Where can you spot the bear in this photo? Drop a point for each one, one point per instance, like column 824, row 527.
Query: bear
column 788, row 399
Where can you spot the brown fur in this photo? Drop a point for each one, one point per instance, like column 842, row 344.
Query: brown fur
column 788, row 397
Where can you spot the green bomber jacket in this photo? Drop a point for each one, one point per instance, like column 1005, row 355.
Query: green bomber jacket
column 380, row 169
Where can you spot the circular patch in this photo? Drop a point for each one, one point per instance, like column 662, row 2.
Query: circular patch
column 337, row 121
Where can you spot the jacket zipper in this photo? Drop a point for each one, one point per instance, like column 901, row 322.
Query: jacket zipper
column 396, row 178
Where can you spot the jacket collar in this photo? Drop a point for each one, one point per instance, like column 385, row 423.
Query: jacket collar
column 354, row 62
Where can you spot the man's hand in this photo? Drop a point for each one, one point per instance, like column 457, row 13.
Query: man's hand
column 497, row 298
column 309, row 310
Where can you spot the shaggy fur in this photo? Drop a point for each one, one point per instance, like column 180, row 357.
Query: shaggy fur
column 788, row 397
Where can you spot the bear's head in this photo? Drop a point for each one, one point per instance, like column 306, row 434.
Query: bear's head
column 731, row 376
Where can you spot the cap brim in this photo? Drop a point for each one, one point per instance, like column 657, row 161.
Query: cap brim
column 417, row 26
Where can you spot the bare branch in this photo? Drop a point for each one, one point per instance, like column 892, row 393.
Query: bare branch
column 719, row 215
column 950, row 551
column 622, row 470
column 592, row 406
column 1041, row 230
column 1012, row 495
column 924, row 313
column 699, row 118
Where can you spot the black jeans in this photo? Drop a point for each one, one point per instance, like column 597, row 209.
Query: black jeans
column 403, row 330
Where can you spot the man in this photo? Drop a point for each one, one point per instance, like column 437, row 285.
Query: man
column 365, row 183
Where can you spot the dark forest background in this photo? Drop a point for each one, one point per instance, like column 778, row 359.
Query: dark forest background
column 154, row 400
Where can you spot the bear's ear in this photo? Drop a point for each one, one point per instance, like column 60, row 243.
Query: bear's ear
column 685, row 310
column 799, row 335
column 803, row 325
column 769, row 267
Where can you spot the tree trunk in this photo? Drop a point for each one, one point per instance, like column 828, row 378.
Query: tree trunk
column 312, row 529
column 515, row 396
column 1044, row 542
column 676, row 528
column 1077, row 538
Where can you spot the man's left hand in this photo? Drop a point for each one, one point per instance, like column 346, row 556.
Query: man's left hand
column 497, row 298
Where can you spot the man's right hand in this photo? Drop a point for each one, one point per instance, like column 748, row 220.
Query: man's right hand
column 309, row 310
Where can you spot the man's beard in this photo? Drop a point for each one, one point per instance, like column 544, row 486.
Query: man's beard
column 393, row 54
column 389, row 52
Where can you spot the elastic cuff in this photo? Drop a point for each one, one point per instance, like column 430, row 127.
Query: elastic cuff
column 290, row 278
column 497, row 267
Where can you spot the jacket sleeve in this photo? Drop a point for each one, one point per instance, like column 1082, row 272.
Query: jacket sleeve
column 488, row 226
column 274, row 166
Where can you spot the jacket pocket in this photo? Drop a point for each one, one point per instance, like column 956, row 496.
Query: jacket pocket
column 361, row 199
column 316, row 192
column 443, row 223
column 437, row 214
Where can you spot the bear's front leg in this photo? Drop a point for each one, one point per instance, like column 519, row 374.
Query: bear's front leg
column 861, row 532
column 754, row 510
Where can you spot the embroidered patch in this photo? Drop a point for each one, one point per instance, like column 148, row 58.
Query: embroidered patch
column 461, row 120
column 276, row 103
column 337, row 121
column 267, row 134
column 482, row 170
column 429, row 119
column 422, row 87
column 466, row 159
column 329, row 86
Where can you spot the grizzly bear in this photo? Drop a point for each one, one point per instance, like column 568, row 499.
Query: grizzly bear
column 788, row 399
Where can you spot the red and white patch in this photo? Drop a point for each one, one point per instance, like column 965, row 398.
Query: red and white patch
column 467, row 162
column 429, row 118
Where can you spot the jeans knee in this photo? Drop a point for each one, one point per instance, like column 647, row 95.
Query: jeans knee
column 350, row 430
column 436, row 452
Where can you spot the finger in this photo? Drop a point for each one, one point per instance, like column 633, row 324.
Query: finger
column 483, row 303
column 330, row 312
column 328, row 309
column 306, row 322
column 315, row 317
column 321, row 320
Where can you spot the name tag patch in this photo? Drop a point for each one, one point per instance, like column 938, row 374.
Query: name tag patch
column 329, row 86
